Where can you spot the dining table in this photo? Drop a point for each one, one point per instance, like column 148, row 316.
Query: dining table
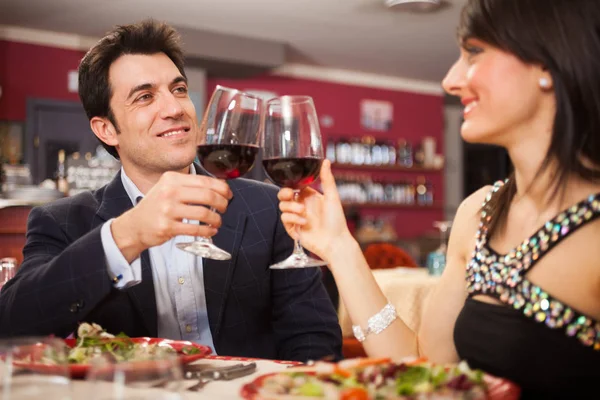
column 82, row 389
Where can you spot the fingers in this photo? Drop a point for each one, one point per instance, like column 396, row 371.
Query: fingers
column 197, row 181
column 293, row 219
column 285, row 194
column 181, row 228
column 203, row 196
column 197, row 213
column 328, row 181
column 292, row 207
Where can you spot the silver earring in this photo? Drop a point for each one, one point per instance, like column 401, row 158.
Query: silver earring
column 544, row 83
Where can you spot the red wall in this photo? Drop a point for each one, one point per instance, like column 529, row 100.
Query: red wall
column 28, row 70
column 415, row 116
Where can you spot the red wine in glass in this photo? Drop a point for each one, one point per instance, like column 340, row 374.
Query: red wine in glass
column 227, row 161
column 292, row 158
column 230, row 132
column 295, row 173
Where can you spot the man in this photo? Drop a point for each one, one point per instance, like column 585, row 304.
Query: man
column 110, row 256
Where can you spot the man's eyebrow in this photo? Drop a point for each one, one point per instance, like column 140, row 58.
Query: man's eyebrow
column 147, row 86
column 143, row 86
column 179, row 79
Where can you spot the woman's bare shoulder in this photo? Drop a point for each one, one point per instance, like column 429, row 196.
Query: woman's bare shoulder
column 466, row 221
column 471, row 206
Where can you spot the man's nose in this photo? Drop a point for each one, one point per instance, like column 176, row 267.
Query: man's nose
column 171, row 107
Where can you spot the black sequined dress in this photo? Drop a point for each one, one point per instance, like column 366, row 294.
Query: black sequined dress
column 545, row 346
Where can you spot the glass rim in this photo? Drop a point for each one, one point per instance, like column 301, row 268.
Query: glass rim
column 237, row 92
column 293, row 99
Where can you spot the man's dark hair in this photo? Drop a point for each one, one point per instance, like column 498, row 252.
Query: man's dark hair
column 146, row 37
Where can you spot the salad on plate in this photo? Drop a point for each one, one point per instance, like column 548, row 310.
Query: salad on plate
column 379, row 379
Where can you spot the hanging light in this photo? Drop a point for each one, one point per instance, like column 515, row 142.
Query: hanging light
column 414, row 5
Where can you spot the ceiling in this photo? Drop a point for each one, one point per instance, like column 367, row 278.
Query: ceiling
column 361, row 35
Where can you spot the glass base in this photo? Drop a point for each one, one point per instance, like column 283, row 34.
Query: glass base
column 298, row 261
column 206, row 249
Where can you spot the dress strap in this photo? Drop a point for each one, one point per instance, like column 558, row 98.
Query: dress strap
column 492, row 192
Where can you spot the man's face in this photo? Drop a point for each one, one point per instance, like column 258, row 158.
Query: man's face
column 156, row 119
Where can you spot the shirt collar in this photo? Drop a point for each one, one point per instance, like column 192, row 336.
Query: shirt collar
column 135, row 195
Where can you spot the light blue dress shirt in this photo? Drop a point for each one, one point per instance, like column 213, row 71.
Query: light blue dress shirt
column 178, row 280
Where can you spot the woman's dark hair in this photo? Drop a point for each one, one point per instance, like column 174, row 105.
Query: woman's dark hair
column 145, row 37
column 563, row 36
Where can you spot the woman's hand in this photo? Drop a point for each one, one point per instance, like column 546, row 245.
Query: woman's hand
column 316, row 219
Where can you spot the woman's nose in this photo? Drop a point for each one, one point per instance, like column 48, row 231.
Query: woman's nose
column 454, row 79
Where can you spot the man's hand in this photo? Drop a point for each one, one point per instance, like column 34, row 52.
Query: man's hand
column 158, row 217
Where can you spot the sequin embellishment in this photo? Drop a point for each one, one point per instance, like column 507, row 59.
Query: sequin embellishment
column 503, row 276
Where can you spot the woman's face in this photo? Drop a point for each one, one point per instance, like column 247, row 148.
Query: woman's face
column 501, row 94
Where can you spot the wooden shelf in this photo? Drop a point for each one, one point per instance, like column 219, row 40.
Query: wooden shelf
column 398, row 168
column 392, row 206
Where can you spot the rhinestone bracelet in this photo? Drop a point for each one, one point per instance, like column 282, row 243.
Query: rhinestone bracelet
column 377, row 323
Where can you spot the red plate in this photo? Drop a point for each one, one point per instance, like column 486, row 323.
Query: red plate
column 498, row 389
column 80, row 370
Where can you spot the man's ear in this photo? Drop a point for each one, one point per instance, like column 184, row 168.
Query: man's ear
column 104, row 130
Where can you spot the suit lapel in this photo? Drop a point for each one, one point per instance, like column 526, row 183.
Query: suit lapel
column 115, row 202
column 218, row 274
column 144, row 297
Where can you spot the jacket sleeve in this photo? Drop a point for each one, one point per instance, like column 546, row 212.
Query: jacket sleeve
column 58, row 283
column 305, row 322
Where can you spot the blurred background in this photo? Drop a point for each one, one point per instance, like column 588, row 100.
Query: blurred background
column 372, row 67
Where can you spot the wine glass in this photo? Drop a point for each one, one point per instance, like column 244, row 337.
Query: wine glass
column 230, row 132
column 293, row 154
column 436, row 260
column 159, row 378
column 34, row 368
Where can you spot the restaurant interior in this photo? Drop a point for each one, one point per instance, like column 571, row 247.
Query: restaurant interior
column 372, row 67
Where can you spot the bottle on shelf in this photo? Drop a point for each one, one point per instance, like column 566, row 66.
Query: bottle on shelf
column 424, row 192
column 377, row 154
column 357, row 152
column 61, row 174
column 367, row 142
column 405, row 154
column 343, row 152
column 392, row 153
column 429, row 191
column 419, row 156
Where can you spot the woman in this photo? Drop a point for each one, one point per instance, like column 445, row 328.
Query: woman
column 529, row 77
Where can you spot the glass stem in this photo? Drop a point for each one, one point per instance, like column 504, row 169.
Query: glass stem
column 298, row 250
column 206, row 239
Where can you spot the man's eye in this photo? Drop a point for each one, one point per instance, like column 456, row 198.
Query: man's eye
column 144, row 97
column 181, row 89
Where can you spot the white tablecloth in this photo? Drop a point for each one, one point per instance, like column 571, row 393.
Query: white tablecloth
column 217, row 390
column 406, row 288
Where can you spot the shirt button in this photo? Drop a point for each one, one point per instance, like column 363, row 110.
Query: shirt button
column 188, row 328
column 181, row 281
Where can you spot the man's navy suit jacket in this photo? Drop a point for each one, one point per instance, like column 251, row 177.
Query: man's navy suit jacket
column 253, row 311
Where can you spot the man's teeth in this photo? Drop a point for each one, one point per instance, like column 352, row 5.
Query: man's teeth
column 470, row 106
column 172, row 133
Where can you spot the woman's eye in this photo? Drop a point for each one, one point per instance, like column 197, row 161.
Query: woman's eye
column 472, row 51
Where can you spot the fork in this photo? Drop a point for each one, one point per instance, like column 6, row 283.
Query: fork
column 216, row 374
